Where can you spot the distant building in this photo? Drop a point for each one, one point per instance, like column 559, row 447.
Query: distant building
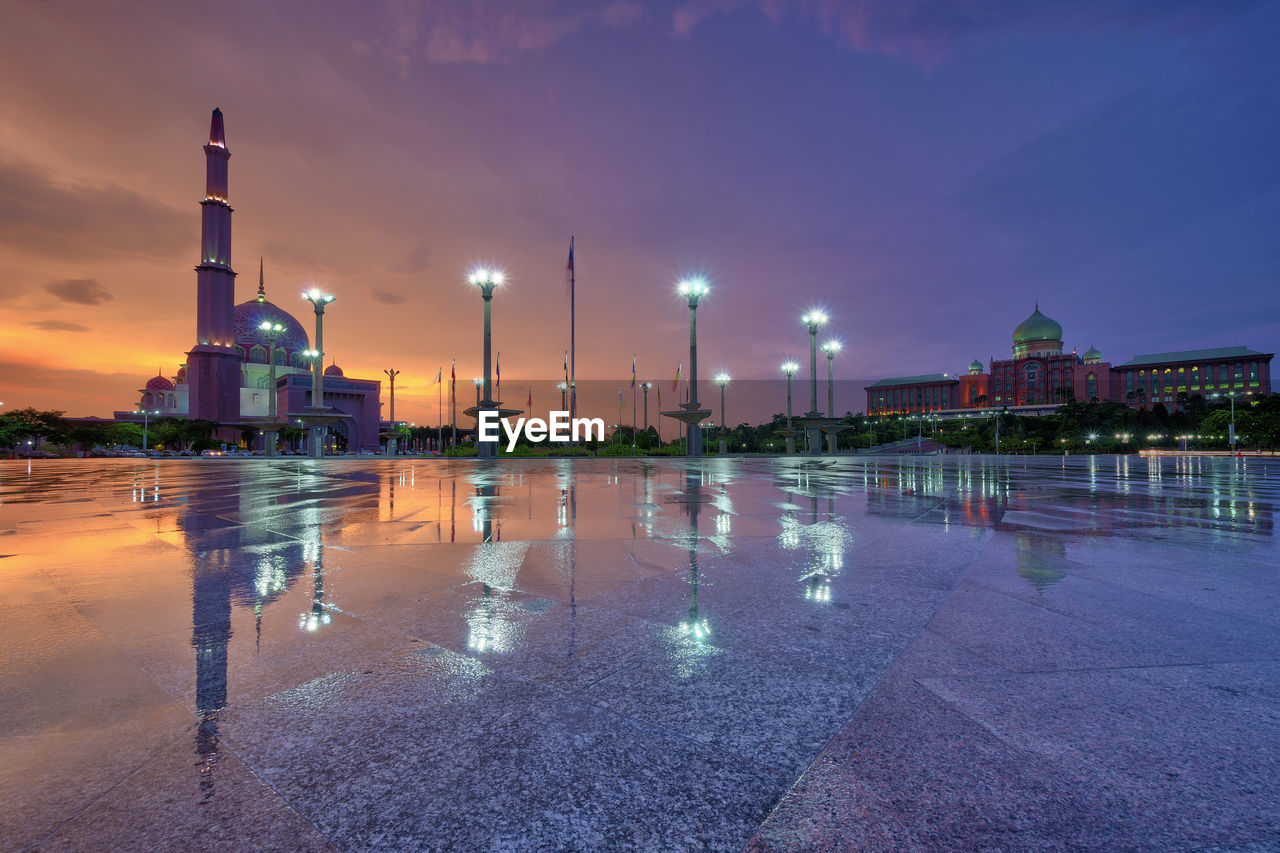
column 227, row 374
column 1041, row 375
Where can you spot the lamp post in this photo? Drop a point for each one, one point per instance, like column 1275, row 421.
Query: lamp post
column 644, row 386
column 722, row 379
column 487, row 281
column 789, row 367
column 831, row 347
column 564, row 396
column 479, row 383
column 272, row 332
column 318, row 301
column 814, row 320
column 693, row 289
column 391, row 441
column 146, row 414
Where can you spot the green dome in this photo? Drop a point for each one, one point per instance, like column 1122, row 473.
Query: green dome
column 975, row 366
column 1037, row 327
column 1092, row 352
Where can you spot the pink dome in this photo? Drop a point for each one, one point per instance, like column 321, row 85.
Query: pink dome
column 159, row 383
column 333, row 370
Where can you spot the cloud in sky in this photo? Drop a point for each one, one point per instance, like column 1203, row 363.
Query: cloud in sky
column 42, row 215
column 929, row 28
column 58, row 326
column 386, row 297
column 489, row 31
column 81, row 291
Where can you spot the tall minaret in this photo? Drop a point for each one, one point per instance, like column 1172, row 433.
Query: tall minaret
column 213, row 365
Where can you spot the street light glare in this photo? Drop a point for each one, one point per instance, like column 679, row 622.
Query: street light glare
column 832, row 346
column 815, row 317
column 483, row 277
column 693, row 287
column 722, row 378
column 790, row 367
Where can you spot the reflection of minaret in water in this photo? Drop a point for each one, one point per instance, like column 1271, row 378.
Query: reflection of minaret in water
column 211, row 585
column 213, row 364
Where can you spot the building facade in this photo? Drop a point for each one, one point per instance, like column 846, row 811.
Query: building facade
column 227, row 375
column 1041, row 374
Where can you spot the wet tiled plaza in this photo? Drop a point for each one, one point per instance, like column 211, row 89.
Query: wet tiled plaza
column 946, row 653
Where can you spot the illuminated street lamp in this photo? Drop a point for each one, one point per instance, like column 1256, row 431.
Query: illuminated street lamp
column 318, row 301
column 1231, row 427
column 645, row 386
column 722, row 379
column 692, row 289
column 479, row 383
column 271, row 330
column 814, row 320
column 487, row 281
column 391, row 440
column 146, row 414
column 789, row 367
column 564, row 395
column 831, row 347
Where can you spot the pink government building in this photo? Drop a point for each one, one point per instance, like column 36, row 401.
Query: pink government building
column 226, row 377
column 1040, row 377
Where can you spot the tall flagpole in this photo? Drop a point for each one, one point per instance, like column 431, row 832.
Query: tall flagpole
column 440, row 409
column 573, row 352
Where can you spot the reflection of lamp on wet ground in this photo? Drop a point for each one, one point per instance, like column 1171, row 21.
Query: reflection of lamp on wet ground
column 319, row 614
column 694, row 628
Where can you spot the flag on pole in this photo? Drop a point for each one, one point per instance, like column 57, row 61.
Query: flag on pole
column 530, row 406
column 453, row 375
column 497, row 370
column 676, row 383
column 439, row 375
column 619, row 398
column 633, row 370
column 658, row 388
column 568, row 270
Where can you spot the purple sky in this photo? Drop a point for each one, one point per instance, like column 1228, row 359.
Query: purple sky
column 924, row 170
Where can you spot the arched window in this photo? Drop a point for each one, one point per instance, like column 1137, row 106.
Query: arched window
column 240, row 351
column 171, row 403
column 282, row 357
column 1091, row 385
column 298, row 360
column 258, row 355
column 1168, row 381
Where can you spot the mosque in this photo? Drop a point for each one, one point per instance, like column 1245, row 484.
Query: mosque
column 227, row 374
column 1041, row 376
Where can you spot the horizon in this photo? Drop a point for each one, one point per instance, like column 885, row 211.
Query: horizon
column 927, row 179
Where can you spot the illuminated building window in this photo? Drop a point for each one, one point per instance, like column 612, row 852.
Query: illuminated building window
column 1253, row 373
column 1091, row 385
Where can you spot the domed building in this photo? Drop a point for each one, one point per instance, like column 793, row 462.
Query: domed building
column 1037, row 336
column 228, row 374
column 1040, row 376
